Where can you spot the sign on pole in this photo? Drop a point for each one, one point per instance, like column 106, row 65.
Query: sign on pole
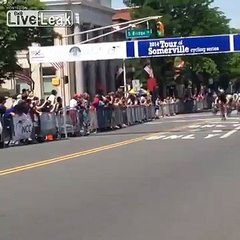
column 138, row 33
column 136, row 85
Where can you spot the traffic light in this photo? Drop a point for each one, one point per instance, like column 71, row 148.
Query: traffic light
column 160, row 29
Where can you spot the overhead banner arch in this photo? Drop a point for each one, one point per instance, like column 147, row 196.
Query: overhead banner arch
column 162, row 47
column 78, row 52
column 182, row 46
column 237, row 43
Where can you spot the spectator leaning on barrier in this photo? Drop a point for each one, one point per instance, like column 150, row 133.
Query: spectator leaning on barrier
column 157, row 107
column 24, row 93
column 53, row 97
column 93, row 115
column 74, row 106
column 2, row 106
column 58, row 105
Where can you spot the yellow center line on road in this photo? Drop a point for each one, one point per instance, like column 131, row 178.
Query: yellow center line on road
column 80, row 154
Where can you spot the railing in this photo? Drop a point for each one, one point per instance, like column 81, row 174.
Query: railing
column 49, row 126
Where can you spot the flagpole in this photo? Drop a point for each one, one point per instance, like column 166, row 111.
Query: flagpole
column 63, row 95
column 124, row 77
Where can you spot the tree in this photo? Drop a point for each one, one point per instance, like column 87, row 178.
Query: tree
column 13, row 39
column 185, row 18
column 234, row 65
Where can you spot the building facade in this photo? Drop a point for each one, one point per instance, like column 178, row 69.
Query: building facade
column 82, row 76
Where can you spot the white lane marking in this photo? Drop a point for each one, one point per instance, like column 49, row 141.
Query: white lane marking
column 220, row 126
column 228, row 134
column 155, row 137
column 172, row 137
column 211, row 136
column 193, row 115
column 225, row 122
column 171, row 120
column 189, row 137
column 180, row 121
column 153, row 123
column 211, row 121
column 208, row 126
column 195, row 130
column 217, row 131
column 195, row 126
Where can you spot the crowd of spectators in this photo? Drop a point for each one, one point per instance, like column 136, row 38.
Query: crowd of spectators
column 27, row 103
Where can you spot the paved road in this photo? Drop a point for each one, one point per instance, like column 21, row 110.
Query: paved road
column 172, row 179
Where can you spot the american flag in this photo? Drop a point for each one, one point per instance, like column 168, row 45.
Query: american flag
column 119, row 72
column 24, row 78
column 57, row 65
column 149, row 70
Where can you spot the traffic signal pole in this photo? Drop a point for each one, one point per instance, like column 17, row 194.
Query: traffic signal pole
column 126, row 25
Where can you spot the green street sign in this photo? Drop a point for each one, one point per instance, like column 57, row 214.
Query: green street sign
column 138, row 33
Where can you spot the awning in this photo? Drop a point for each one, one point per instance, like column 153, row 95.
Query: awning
column 23, row 76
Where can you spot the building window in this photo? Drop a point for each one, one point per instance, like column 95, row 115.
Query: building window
column 46, row 71
column 20, row 87
column 47, row 86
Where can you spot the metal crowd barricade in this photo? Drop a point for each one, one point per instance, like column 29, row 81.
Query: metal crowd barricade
column 165, row 109
column 199, row 105
column 138, row 114
column 152, row 112
column 133, row 113
column 124, row 114
column 72, row 122
column 22, row 127
column 205, row 103
column 84, row 121
column 130, row 120
column 93, row 119
column 148, row 111
column 177, row 107
column 48, row 124
column 101, row 117
column 117, row 116
column 171, row 108
column 2, row 144
column 107, row 117
column 158, row 111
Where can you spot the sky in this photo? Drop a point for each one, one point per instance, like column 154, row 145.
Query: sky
column 231, row 8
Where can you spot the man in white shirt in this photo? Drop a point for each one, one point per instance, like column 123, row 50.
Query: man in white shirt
column 52, row 97
column 74, row 102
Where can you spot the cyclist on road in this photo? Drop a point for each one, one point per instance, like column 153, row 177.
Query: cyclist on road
column 223, row 104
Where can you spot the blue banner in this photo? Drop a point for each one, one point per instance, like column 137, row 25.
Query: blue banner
column 181, row 46
column 237, row 43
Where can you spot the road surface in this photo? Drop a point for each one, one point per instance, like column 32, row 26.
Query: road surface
column 173, row 179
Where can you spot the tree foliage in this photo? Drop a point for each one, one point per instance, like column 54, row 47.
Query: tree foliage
column 188, row 18
column 13, row 39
